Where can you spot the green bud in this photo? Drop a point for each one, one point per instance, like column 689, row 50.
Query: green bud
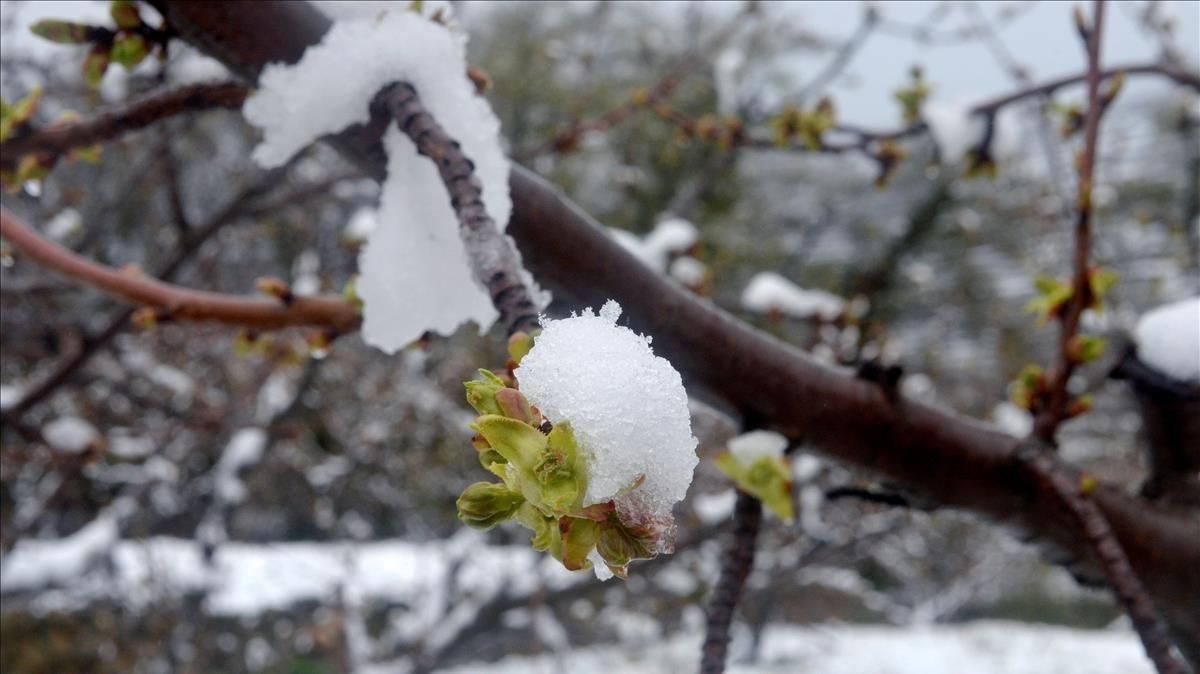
column 125, row 14
column 520, row 444
column 561, row 475
column 484, row 505
column 95, row 65
column 767, row 479
column 62, row 32
column 519, row 344
column 14, row 117
column 482, row 396
column 578, row 539
column 618, row 547
column 129, row 49
column 514, row 405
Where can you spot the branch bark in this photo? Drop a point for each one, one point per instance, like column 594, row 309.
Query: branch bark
column 736, row 564
column 60, row 139
column 960, row 462
column 493, row 258
column 175, row 302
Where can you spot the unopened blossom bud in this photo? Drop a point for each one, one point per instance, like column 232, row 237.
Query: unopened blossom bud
column 484, row 505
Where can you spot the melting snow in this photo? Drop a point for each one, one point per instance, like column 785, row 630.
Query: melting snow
column 627, row 406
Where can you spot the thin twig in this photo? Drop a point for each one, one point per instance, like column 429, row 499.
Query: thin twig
column 178, row 303
column 1038, row 460
column 494, row 259
column 59, row 139
column 736, row 564
column 1055, row 411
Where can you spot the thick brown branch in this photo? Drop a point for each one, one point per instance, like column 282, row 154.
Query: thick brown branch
column 175, row 302
column 493, row 257
column 736, row 564
column 60, row 139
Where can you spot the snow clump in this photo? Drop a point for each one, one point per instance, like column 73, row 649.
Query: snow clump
column 769, row 291
column 1168, row 339
column 627, row 407
column 750, row 447
column 417, row 245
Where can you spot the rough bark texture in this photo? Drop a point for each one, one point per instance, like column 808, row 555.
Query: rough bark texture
column 960, row 462
column 494, row 261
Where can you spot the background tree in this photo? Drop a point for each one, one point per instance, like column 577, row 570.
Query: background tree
column 113, row 436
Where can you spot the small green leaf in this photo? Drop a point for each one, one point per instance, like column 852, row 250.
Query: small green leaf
column 129, row 49
column 483, row 505
column 579, row 537
column 14, row 117
column 1085, row 348
column 519, row 344
column 95, row 65
column 562, row 477
column 63, row 32
column 767, row 479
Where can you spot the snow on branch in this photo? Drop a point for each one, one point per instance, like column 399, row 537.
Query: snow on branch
column 769, row 292
column 1168, row 340
column 418, row 246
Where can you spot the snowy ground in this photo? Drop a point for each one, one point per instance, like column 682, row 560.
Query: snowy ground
column 247, row 579
column 973, row 648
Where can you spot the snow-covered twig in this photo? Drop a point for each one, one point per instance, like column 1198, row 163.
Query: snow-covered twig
column 493, row 257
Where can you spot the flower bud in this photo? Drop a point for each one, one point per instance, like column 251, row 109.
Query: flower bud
column 484, row 505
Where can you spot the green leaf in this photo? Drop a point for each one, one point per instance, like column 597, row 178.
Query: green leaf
column 13, row 117
column 483, row 505
column 561, row 475
column 579, row 537
column 767, row 479
column 125, row 14
column 62, row 32
column 129, row 49
column 519, row 344
column 1101, row 281
column 95, row 65
column 1086, row 348
column 521, row 445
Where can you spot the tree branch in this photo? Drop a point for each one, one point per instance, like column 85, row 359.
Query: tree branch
column 93, row 343
column 493, row 257
column 1055, row 411
column 177, row 303
column 59, row 139
column 1074, row 496
column 736, row 564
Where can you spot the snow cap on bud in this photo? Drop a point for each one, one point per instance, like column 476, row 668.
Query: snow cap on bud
column 756, row 464
column 626, row 407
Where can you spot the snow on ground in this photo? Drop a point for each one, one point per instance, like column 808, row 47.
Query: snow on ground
column 248, row 579
column 972, row 648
